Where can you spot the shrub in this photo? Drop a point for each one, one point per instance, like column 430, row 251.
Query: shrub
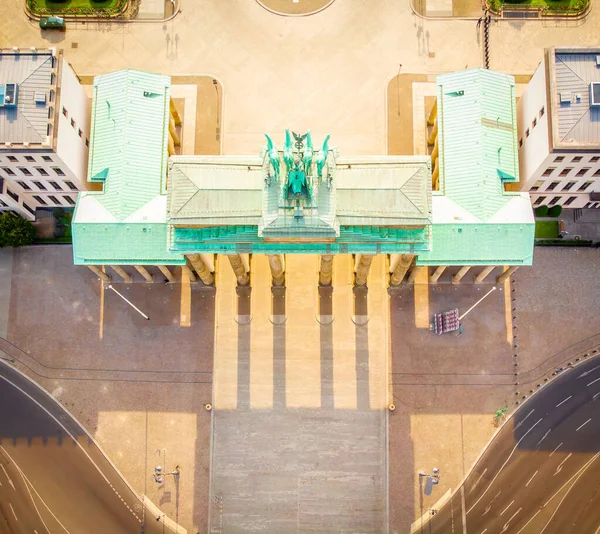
column 541, row 211
column 15, row 231
column 555, row 211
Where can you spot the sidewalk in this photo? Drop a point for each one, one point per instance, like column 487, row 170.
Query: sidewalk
column 584, row 223
column 6, row 263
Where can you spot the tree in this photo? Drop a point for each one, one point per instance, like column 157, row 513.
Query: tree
column 555, row 211
column 541, row 211
column 15, row 231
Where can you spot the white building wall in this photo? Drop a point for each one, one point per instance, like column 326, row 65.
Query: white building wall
column 73, row 126
column 533, row 128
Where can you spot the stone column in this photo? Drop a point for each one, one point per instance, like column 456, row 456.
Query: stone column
column 435, row 152
column 171, row 146
column 276, row 269
column 99, row 273
column 200, row 267
column 506, row 274
column 401, row 269
column 140, row 269
column 122, row 273
column 174, row 113
column 438, row 272
column 325, row 273
column 433, row 134
column 239, row 269
column 482, row 275
column 188, row 272
column 432, row 114
column 168, row 274
column 458, row 276
column 413, row 273
column 435, row 177
column 173, row 131
column 362, row 269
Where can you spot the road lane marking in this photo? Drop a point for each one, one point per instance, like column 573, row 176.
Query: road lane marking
column 596, row 395
column 505, row 527
column 588, row 372
column 504, row 464
column 593, row 382
column 531, row 479
column 557, row 447
column 13, row 511
column 562, row 402
column 567, row 492
column 511, row 503
column 484, row 531
column 545, row 435
column 524, row 419
column 489, row 506
column 585, row 422
column 9, row 479
column 558, row 469
column 583, row 468
column 477, row 481
column 534, row 516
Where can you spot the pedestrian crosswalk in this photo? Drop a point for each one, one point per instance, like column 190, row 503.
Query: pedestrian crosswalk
column 296, row 361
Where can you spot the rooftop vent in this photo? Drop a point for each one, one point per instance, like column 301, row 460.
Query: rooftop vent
column 595, row 94
column 39, row 97
column 565, row 97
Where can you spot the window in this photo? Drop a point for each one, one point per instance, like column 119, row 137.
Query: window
column 58, row 171
column 548, row 171
column 12, row 195
column 71, row 186
column 576, row 159
column 46, row 158
column 80, row 132
column 8, row 171
column 56, row 186
column 581, row 172
column 558, row 159
column 64, row 111
column 30, row 210
column 12, row 158
column 594, row 159
column 40, row 185
column 539, row 200
column 527, row 132
column 534, row 123
column 69, row 200
column 537, row 185
column 73, row 123
column 25, row 171
column 29, row 158
column 584, row 186
column 40, row 200
column 87, row 142
column 568, row 186
column 596, row 173
column 569, row 201
column 5, row 205
column 542, row 111
column 553, row 201
column 25, row 186
column 565, row 171
column 42, row 171
column 552, row 186
column 54, row 199
column 520, row 142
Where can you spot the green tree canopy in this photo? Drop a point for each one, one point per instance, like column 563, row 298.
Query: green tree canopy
column 15, row 231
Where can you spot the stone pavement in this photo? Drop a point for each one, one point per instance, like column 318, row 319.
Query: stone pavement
column 299, row 439
column 584, row 223
column 6, row 262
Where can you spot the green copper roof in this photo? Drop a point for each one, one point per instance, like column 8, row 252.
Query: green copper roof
column 126, row 221
column 475, row 221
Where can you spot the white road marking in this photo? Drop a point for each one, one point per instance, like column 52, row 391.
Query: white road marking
column 9, row 479
column 583, row 468
column 588, row 372
column 505, row 527
column 562, row 402
column 511, row 503
column 477, row 481
column 596, row 395
column 524, row 419
column 559, row 468
column 484, row 531
column 529, row 522
column 504, row 464
column 531, row 479
column 585, row 422
column 545, row 435
column 593, row 382
column 13, row 511
column 557, row 447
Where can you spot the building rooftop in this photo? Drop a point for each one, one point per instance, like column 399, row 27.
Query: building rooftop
column 574, row 79
column 475, row 221
column 27, row 85
column 126, row 221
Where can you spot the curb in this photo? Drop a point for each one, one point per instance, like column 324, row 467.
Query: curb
column 280, row 14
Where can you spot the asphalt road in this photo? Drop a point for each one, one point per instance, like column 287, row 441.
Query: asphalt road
column 53, row 478
column 541, row 474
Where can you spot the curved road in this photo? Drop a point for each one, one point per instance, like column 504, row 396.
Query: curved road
column 53, row 478
column 541, row 474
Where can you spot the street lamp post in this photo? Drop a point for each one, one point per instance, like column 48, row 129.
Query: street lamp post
column 129, row 302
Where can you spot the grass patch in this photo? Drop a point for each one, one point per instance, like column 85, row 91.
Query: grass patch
column 546, row 229
column 101, row 8
column 572, row 7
